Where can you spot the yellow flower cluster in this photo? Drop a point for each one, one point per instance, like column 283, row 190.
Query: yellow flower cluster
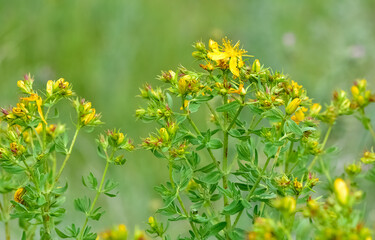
column 59, row 88
column 87, row 114
column 361, row 96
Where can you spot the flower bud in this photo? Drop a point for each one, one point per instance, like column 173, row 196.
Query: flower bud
column 198, row 55
column 286, row 204
column 283, row 181
column 200, row 46
column 292, row 106
column 167, row 76
column 120, row 160
column 49, row 88
column 139, row 113
column 355, row 91
column 353, row 169
column 164, row 134
column 368, row 157
column 256, row 66
column 297, row 186
column 341, row 191
column 151, row 222
column 315, row 109
column 19, row 194
column 362, row 84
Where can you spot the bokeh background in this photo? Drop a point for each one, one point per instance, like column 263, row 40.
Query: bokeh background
column 108, row 49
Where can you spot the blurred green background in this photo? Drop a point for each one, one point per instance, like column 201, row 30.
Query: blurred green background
column 108, row 49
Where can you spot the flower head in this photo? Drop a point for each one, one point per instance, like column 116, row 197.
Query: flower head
column 228, row 52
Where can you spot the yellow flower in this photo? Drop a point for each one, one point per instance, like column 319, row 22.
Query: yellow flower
column 355, row 91
column 39, row 102
column 18, row 195
column 240, row 90
column 151, row 221
column 315, row 109
column 293, row 105
column 49, row 87
column 299, row 116
column 229, row 52
column 341, row 191
column 20, row 110
column 89, row 117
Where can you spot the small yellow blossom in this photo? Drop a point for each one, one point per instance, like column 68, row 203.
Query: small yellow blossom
column 240, row 90
column 229, row 52
column 299, row 115
column 341, row 191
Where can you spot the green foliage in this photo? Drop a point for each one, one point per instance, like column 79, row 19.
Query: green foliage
column 266, row 167
column 31, row 145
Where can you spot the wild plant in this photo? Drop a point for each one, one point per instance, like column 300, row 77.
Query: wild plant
column 246, row 152
column 35, row 148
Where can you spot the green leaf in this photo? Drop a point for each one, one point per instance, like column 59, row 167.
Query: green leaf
column 293, row 127
column 270, row 149
column 202, row 99
column 212, row 177
column 274, row 115
column 82, row 204
column 207, row 168
column 228, row 107
column 244, row 152
column 61, row 234
column 169, row 100
column 233, row 208
column 214, row 144
column 92, row 182
column 215, row 229
column 194, row 107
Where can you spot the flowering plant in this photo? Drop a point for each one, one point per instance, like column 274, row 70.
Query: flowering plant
column 34, row 150
column 258, row 169
column 252, row 172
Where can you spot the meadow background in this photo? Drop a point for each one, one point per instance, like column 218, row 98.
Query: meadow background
column 108, row 49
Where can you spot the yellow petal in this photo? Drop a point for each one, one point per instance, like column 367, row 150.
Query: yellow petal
column 39, row 102
column 233, row 66
column 50, row 87
column 213, row 45
column 217, row 55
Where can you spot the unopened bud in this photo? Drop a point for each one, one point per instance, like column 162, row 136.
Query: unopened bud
column 292, row 106
column 200, row 46
column 341, row 191
column 256, row 66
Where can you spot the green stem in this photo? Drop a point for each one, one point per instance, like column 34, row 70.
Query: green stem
column 235, row 117
column 215, row 115
column 7, row 230
column 328, row 176
column 252, row 190
column 225, row 164
column 200, row 134
column 371, row 130
column 6, row 216
column 286, row 165
column 68, row 154
column 180, row 200
column 38, row 137
column 323, row 145
column 98, row 192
